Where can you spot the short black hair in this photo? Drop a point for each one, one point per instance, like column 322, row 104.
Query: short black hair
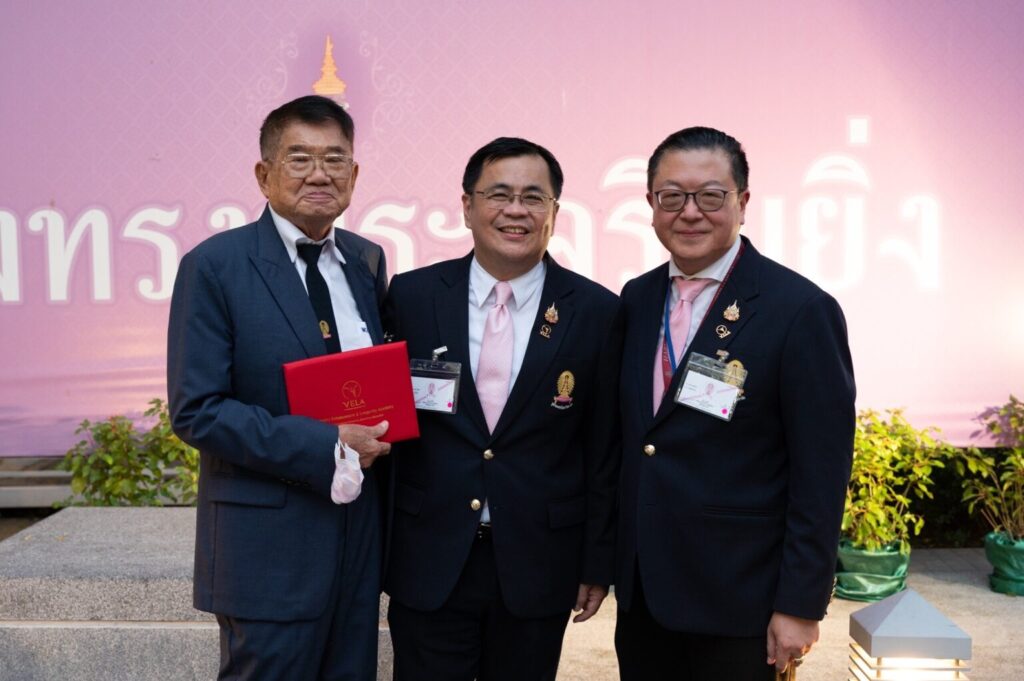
column 510, row 147
column 312, row 109
column 703, row 138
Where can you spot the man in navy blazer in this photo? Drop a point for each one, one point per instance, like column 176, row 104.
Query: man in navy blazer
column 728, row 529
column 498, row 532
column 292, row 576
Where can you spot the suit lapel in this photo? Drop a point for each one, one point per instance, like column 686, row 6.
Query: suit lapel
column 363, row 287
column 742, row 288
column 452, row 312
column 540, row 350
column 279, row 274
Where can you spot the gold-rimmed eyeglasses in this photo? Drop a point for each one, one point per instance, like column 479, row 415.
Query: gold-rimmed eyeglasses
column 335, row 166
column 534, row 202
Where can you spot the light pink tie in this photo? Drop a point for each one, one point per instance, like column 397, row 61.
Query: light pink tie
column 494, row 368
column 679, row 325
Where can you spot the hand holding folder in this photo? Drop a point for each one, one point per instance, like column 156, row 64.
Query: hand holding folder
column 364, row 386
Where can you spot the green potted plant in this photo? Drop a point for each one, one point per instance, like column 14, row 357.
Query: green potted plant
column 116, row 465
column 994, row 487
column 892, row 464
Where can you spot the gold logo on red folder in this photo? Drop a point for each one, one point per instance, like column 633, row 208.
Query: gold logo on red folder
column 351, row 395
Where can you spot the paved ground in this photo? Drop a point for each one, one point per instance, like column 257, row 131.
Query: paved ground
column 953, row 580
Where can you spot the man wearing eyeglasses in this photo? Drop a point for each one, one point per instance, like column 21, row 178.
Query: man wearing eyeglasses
column 737, row 403
column 502, row 514
column 288, row 545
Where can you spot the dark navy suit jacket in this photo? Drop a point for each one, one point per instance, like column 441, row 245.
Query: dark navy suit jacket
column 267, row 534
column 730, row 521
column 550, row 480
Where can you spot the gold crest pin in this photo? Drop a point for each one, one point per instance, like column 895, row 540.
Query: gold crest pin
column 325, row 329
column 565, row 384
column 551, row 314
column 722, row 330
column 545, row 330
column 732, row 313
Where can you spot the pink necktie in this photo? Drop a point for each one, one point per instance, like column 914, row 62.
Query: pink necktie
column 494, row 369
column 679, row 325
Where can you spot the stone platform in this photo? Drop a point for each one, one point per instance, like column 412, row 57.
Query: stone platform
column 105, row 594
column 96, row 593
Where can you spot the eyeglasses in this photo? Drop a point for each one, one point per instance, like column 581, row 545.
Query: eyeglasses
column 535, row 202
column 707, row 200
column 336, row 166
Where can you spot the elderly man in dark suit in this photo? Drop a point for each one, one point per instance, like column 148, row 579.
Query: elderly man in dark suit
column 737, row 402
column 288, row 526
column 502, row 518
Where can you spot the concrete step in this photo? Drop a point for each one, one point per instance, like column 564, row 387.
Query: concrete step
column 32, row 482
column 103, row 594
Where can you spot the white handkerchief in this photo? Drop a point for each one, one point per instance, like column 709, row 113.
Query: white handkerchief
column 348, row 476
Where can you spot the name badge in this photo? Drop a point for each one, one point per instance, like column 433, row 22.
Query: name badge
column 712, row 386
column 435, row 384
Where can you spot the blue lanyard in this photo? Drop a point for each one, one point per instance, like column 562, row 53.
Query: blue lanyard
column 668, row 332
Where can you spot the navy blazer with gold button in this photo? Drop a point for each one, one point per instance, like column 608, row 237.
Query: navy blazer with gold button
column 549, row 479
column 729, row 521
column 268, row 539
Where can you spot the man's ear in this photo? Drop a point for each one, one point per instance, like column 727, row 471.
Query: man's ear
column 262, row 172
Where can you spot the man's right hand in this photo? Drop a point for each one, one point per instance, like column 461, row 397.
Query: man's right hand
column 364, row 440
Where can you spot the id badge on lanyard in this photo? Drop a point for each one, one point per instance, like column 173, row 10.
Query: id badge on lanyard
column 435, row 383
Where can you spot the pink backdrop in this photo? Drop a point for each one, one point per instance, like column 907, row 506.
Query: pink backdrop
column 884, row 140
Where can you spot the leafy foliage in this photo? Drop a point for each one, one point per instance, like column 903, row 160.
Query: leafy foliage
column 893, row 463
column 116, row 465
column 994, row 479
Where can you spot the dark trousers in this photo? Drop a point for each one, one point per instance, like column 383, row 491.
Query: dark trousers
column 649, row 652
column 341, row 644
column 473, row 635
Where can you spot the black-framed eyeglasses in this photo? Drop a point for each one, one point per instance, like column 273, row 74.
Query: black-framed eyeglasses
column 336, row 166
column 707, row 200
column 535, row 202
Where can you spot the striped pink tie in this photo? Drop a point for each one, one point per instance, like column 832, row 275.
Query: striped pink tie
column 494, row 369
column 679, row 324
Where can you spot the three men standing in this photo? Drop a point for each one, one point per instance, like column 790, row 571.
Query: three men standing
column 727, row 529
column 502, row 517
column 503, row 511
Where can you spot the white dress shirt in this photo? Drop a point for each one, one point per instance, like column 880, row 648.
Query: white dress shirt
column 523, row 306
column 526, row 292
column 352, row 334
column 352, row 330
column 718, row 270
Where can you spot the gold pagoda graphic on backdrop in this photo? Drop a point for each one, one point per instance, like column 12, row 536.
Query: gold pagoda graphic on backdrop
column 329, row 84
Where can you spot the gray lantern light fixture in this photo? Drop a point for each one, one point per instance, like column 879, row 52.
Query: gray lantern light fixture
column 904, row 638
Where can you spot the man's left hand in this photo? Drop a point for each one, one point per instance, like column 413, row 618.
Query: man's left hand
column 588, row 601
column 789, row 638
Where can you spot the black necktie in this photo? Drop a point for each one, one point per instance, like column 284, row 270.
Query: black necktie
column 320, row 295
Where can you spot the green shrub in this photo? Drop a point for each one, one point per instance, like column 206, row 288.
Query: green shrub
column 116, row 465
column 994, row 480
column 893, row 463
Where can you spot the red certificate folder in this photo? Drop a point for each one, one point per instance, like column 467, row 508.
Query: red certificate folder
column 363, row 386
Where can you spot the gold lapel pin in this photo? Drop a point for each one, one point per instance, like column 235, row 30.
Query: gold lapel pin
column 551, row 314
column 722, row 330
column 732, row 313
column 545, row 330
column 566, row 382
column 325, row 329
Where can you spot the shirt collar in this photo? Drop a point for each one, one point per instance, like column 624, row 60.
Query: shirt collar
column 524, row 287
column 718, row 270
column 292, row 235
